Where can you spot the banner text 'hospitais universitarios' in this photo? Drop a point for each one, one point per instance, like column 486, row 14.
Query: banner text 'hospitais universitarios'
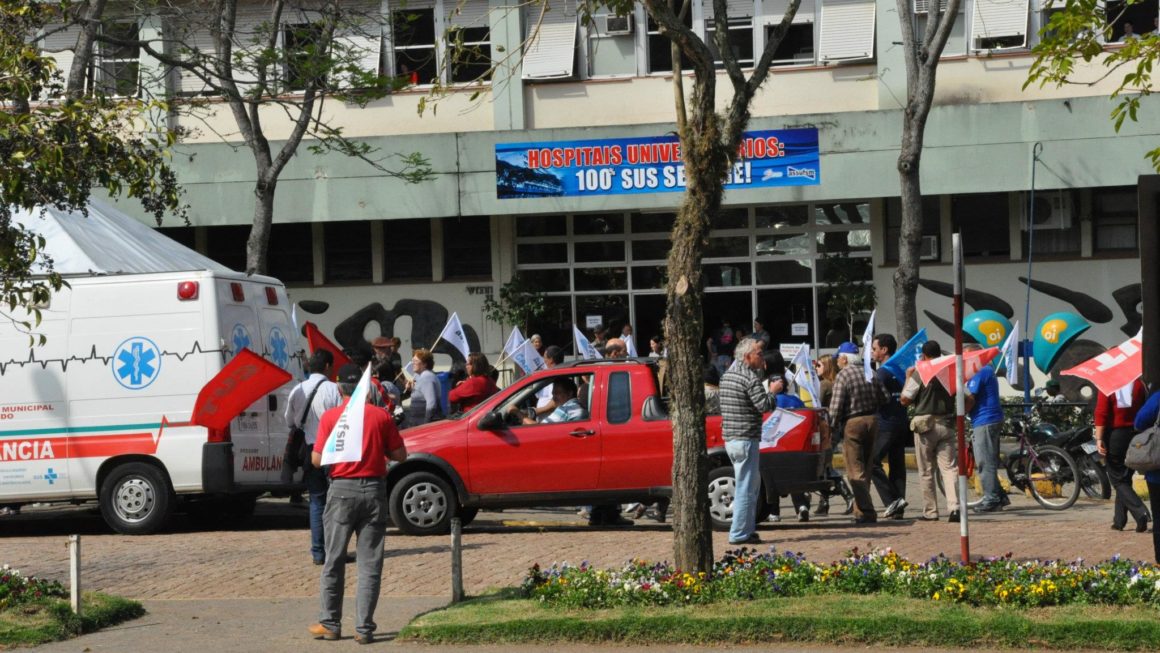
column 770, row 158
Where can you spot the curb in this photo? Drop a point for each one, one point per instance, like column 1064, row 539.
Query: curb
column 840, row 462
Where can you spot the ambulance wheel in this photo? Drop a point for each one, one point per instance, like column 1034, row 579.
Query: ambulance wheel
column 135, row 499
column 423, row 503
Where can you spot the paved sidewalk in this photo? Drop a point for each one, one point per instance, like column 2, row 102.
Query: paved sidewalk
column 255, row 589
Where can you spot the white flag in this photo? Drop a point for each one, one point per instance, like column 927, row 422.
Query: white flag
column 584, row 349
column 806, row 377
column 1011, row 354
column 779, row 423
column 409, row 368
column 453, row 333
column 533, row 361
column 1124, row 395
column 630, row 344
column 514, row 342
column 867, row 340
column 345, row 444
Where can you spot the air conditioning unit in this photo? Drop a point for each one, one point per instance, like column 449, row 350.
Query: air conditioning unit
column 1053, row 210
column 923, row 6
column 929, row 249
column 616, row 25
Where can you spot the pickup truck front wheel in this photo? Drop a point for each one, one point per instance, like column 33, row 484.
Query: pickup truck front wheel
column 722, row 489
column 423, row 503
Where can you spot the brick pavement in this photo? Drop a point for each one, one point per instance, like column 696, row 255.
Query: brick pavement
column 268, row 558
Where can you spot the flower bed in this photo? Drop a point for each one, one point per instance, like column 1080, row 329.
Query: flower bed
column 744, row 574
column 16, row 589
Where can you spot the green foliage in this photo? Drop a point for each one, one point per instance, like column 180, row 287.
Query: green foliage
column 518, row 304
column 51, row 618
column 849, row 294
column 1079, row 30
column 845, row 620
column 54, row 152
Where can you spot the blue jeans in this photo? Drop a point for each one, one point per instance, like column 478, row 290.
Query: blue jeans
column 745, row 456
column 985, row 440
column 316, row 485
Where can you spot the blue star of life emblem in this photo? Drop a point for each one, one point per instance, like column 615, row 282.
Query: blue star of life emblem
column 240, row 338
column 137, row 362
column 279, row 348
column 51, row 476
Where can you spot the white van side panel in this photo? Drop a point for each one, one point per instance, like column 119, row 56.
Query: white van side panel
column 138, row 397
column 33, row 406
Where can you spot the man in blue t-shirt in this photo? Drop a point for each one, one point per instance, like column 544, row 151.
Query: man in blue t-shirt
column 986, row 413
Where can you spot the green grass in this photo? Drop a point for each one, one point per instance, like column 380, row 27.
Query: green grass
column 52, row 620
column 502, row 618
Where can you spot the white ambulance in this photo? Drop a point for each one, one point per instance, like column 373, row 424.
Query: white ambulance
column 101, row 411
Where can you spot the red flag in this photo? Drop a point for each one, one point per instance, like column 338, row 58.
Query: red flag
column 244, row 380
column 1115, row 368
column 318, row 341
column 943, row 367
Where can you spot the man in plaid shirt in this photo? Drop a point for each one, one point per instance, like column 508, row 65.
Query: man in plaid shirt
column 744, row 400
column 856, row 402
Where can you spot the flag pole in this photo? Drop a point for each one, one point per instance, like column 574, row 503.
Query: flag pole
column 960, row 397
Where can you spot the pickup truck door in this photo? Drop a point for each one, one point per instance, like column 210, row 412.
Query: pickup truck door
column 537, row 458
column 637, row 453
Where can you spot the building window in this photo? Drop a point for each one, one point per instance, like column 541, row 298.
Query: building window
column 612, row 45
column 740, row 40
column 414, row 39
column 796, row 48
column 407, row 250
column 347, row 247
column 301, row 43
column 291, row 259
column 470, row 49
column 930, row 250
column 227, row 245
column 1141, row 15
column 1115, row 220
column 118, row 68
column 999, row 24
column 985, row 223
column 467, row 248
column 660, row 53
column 1055, row 230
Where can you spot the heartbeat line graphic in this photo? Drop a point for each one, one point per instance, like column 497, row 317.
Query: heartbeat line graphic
column 96, row 358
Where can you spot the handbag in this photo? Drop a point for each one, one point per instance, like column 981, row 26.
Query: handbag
column 1144, row 450
column 297, row 452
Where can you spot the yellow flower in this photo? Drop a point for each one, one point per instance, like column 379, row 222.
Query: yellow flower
column 936, row 596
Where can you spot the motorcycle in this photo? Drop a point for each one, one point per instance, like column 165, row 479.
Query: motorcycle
column 1094, row 479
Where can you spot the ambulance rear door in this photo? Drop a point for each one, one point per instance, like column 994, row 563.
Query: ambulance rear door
column 239, row 302
column 280, row 347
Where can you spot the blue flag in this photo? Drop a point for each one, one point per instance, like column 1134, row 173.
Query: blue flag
column 906, row 356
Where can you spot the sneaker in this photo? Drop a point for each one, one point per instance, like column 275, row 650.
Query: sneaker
column 775, row 518
column 322, row 632
column 898, row 515
column 988, row 507
column 895, row 506
column 1004, row 500
column 637, row 510
column 752, row 539
column 823, row 506
column 583, row 514
column 803, row 513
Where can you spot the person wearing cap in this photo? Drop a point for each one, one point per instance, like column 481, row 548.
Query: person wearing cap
column 356, row 505
column 323, row 395
column 1054, row 392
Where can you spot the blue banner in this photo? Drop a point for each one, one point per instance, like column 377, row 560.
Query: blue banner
column 621, row 166
column 906, row 356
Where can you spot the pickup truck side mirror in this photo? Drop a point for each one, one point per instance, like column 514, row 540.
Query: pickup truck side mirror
column 492, row 421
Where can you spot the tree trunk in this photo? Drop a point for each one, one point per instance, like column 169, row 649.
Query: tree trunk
column 83, row 54
column 910, row 236
column 705, row 164
column 257, row 245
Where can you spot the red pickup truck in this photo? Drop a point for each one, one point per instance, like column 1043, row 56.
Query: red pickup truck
column 617, row 449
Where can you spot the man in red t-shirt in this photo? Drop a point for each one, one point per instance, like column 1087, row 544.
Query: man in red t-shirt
column 356, row 504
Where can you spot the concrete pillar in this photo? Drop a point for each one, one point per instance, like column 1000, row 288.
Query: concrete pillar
column 507, row 84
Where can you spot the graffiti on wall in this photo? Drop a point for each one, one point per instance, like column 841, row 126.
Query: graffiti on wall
column 1127, row 299
column 427, row 321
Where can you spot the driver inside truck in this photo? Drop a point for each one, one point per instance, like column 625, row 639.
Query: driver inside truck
column 568, row 409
